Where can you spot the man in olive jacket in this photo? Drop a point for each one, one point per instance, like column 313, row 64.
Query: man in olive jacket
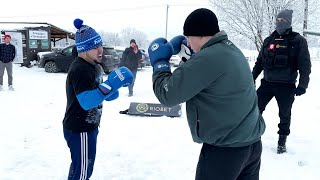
column 282, row 55
column 220, row 96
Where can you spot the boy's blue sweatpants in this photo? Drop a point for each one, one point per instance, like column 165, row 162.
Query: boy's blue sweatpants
column 82, row 147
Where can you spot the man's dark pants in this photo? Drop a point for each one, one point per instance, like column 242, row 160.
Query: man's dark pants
column 284, row 94
column 130, row 87
column 7, row 66
column 229, row 163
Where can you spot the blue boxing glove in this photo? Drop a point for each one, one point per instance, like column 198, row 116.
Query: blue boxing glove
column 107, row 90
column 113, row 96
column 181, row 48
column 117, row 78
column 160, row 52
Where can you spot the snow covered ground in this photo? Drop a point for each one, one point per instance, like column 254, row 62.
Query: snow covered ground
column 32, row 146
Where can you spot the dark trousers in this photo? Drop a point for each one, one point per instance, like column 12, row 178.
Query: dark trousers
column 284, row 94
column 7, row 66
column 134, row 72
column 229, row 163
column 82, row 147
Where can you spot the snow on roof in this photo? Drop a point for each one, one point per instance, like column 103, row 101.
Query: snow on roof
column 20, row 26
column 56, row 32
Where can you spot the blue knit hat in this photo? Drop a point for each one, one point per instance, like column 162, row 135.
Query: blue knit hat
column 86, row 37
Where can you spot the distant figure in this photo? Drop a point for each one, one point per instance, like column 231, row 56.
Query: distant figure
column 283, row 54
column 7, row 54
column 130, row 59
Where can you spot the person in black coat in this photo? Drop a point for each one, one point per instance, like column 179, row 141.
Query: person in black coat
column 283, row 54
column 130, row 59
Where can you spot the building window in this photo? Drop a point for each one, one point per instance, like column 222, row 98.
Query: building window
column 33, row 43
column 44, row 44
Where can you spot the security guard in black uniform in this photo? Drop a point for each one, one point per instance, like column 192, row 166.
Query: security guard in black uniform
column 282, row 55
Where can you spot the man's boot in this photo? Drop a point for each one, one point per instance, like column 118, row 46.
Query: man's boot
column 282, row 144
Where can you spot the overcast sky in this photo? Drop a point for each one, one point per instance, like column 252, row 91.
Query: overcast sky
column 148, row 16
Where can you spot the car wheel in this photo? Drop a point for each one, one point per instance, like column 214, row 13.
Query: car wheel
column 51, row 67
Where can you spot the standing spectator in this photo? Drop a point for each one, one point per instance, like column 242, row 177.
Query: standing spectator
column 221, row 100
column 86, row 91
column 7, row 54
column 130, row 59
column 282, row 55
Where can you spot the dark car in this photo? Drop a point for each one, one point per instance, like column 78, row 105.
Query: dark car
column 60, row 61
column 111, row 59
column 120, row 52
column 57, row 61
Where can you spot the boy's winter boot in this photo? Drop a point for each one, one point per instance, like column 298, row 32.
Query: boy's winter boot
column 282, row 144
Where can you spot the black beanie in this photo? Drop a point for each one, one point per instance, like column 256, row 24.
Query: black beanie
column 201, row 22
column 133, row 41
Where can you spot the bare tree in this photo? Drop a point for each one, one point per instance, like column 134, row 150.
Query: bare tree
column 255, row 19
column 113, row 39
column 103, row 36
column 110, row 38
column 273, row 7
column 131, row 33
column 244, row 17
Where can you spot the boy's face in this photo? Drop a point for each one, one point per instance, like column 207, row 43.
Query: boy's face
column 95, row 55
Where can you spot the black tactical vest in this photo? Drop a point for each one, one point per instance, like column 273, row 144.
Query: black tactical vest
column 280, row 52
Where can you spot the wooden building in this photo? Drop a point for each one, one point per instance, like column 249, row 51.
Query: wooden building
column 35, row 37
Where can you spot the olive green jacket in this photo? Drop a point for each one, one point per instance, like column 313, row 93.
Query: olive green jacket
column 218, row 88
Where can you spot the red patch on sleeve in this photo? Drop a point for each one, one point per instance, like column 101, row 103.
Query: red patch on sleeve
column 271, row 46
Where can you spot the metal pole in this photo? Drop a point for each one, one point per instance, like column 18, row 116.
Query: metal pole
column 167, row 21
column 305, row 19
